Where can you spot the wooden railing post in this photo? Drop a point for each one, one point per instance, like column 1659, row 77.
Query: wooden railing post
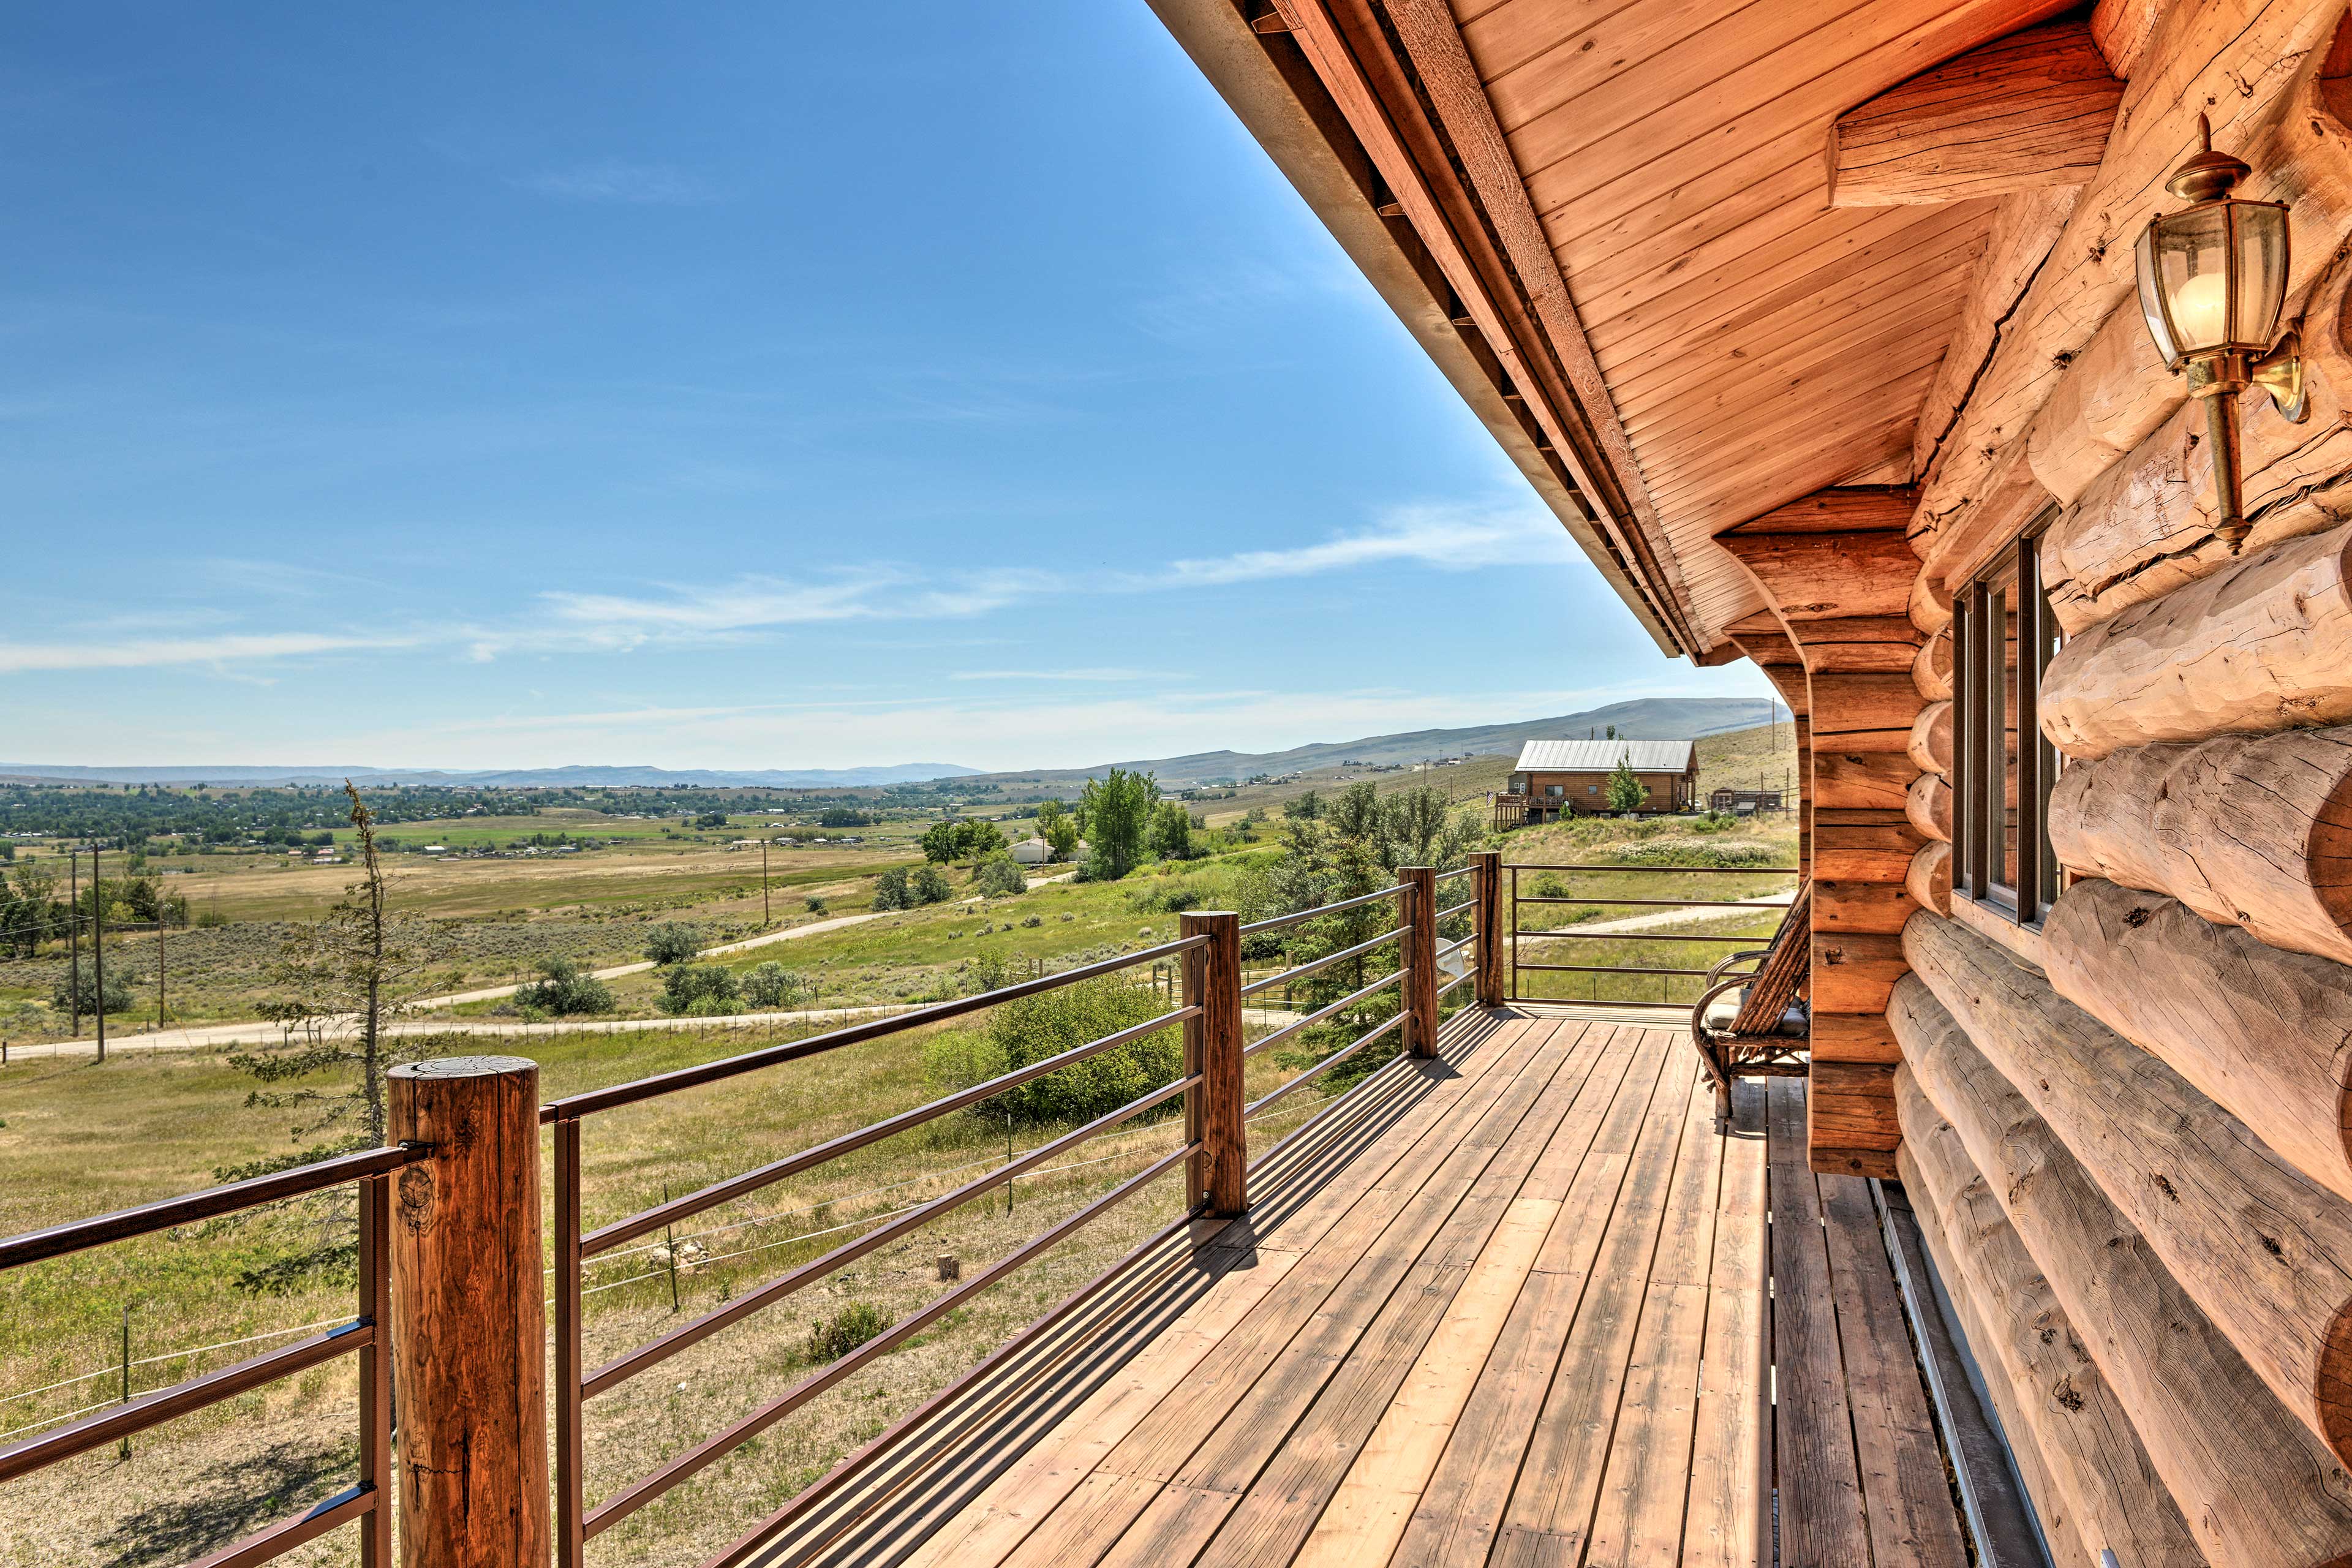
column 1420, row 958
column 469, row 1333
column 1213, row 1048
column 1486, row 886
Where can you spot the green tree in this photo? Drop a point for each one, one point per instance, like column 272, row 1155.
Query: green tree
column 976, row 840
column 1046, row 1024
column 673, row 942
column 929, row 885
column 1116, row 813
column 891, row 890
column 699, row 991
column 1306, row 808
column 1058, row 828
column 1625, row 792
column 1171, row 831
column 1000, row 879
column 941, row 840
column 771, row 984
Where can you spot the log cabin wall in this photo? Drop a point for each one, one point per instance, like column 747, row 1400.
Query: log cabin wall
column 2128, row 1124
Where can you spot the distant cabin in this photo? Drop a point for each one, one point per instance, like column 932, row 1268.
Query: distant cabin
column 1033, row 852
column 1571, row 778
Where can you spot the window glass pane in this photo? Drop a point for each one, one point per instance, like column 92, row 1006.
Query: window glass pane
column 1999, row 796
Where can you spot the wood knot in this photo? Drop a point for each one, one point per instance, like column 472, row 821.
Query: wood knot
column 414, row 1199
column 2137, row 916
column 2067, row 1395
column 2271, row 1245
column 2165, row 1186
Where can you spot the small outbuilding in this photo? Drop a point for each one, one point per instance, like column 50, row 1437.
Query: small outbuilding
column 1032, row 852
column 1571, row 778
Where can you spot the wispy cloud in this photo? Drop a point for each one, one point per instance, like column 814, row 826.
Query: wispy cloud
column 644, row 184
column 1451, row 539
column 144, row 653
column 1108, row 677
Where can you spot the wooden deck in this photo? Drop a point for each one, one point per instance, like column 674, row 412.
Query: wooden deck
column 1519, row 1305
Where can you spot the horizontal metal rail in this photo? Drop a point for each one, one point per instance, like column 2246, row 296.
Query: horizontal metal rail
column 1315, row 966
column 621, row 1368
column 1573, row 935
column 1457, row 980
column 1454, row 947
column 1276, row 922
column 653, row 1219
column 1672, row 870
column 1756, row 904
column 1326, row 1065
column 635, row 1496
column 278, row 1538
column 1320, row 1014
column 817, row 1045
column 1609, row 969
column 183, row 1398
column 76, row 1236
column 1457, row 872
column 1463, row 906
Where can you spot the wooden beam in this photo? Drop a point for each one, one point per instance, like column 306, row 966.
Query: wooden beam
column 2121, row 28
column 2024, row 112
column 2259, row 1031
column 2266, row 1251
column 2025, row 226
column 2247, row 830
column 2255, row 1487
column 1929, row 880
column 2262, row 646
column 2255, row 68
column 2058, row 1407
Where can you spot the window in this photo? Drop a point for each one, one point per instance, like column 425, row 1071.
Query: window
column 2003, row 635
column 1555, row 791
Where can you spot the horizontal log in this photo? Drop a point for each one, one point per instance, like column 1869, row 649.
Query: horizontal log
column 1929, row 807
column 1931, row 668
column 2265, row 644
column 2255, row 68
column 1860, row 644
column 1929, row 880
column 2121, row 29
column 1853, row 1037
column 2141, row 523
column 1853, row 970
column 1931, row 738
column 2254, row 1488
column 1929, row 606
column 1979, row 523
column 1863, row 845
column 2021, row 113
column 2246, row 830
column 2112, row 397
column 2059, row 1409
column 1849, row 1127
column 1846, row 702
column 2262, row 1248
column 1867, row 780
column 2260, row 1032
column 1815, row 576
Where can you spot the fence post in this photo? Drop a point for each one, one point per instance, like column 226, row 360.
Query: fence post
column 470, row 1333
column 1486, row 886
column 1213, row 1048
column 1420, row 959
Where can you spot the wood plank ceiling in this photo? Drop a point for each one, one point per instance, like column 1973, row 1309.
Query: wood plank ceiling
column 1757, row 344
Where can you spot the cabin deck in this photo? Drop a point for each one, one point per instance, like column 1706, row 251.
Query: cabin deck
column 1513, row 1305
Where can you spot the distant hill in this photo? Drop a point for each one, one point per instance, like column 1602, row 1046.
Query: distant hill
column 1647, row 719
column 500, row 778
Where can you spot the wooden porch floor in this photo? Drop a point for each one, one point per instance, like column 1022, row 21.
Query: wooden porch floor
column 1520, row 1305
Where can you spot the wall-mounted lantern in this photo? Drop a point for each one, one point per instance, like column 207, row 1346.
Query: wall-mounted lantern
column 2212, row 281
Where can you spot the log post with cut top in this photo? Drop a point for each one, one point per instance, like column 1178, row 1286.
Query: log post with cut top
column 1212, row 1048
column 1420, row 959
column 1487, row 884
column 469, row 1338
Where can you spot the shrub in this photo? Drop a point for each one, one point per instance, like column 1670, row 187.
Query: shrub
column 1732, row 855
column 672, row 942
column 698, row 991
column 771, row 984
column 563, row 990
column 815, row 905
column 837, row 1336
column 891, row 891
column 989, row 973
column 1000, row 879
column 1551, row 887
column 929, row 885
column 120, row 995
column 1046, row 1024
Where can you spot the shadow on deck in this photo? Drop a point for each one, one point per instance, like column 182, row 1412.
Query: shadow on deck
column 1517, row 1304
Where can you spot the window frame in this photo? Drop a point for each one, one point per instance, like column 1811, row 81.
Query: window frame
column 1980, row 772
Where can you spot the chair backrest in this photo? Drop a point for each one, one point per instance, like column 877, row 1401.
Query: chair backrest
column 1784, row 970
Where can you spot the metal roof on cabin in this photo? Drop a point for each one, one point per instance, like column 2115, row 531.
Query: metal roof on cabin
column 1601, row 756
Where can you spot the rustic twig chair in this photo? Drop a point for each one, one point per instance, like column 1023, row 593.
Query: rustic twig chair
column 1768, row 1032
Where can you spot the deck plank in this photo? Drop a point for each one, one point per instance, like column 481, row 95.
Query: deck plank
column 1821, row 1524
column 1728, row 1523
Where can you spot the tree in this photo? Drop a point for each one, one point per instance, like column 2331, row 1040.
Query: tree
column 1625, row 792
column 699, row 991
column 672, row 942
column 1171, row 831
column 891, row 890
column 1000, row 879
column 976, row 840
column 1612, row 733
column 121, row 993
column 1116, row 813
column 929, row 885
column 1058, row 828
column 771, row 984
column 563, row 990
column 941, row 841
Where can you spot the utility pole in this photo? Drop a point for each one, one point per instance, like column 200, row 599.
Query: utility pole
column 163, row 919
column 73, row 935
column 97, row 944
column 764, row 916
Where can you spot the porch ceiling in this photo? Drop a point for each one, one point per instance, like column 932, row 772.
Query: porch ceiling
column 1759, row 343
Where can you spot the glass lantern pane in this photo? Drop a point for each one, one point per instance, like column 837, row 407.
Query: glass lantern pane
column 2151, row 306
column 2261, row 271
column 2193, row 250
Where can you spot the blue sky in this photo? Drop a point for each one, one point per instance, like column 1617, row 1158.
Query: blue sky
column 732, row 385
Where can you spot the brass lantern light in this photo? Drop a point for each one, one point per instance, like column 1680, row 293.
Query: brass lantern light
column 2212, row 282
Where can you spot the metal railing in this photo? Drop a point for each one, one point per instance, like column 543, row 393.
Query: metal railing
column 1521, row 935
column 366, row 1335
column 1213, row 1147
